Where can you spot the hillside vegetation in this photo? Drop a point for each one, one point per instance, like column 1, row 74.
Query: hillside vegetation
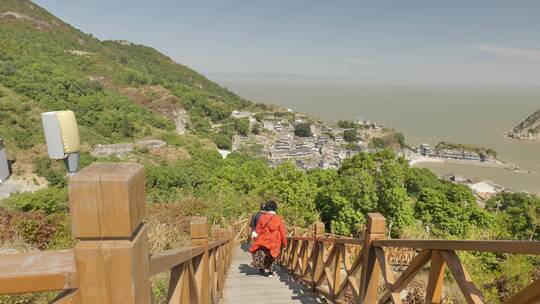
column 116, row 89
column 444, row 145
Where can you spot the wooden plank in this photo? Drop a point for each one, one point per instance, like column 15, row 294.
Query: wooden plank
column 517, row 247
column 414, row 267
column 192, row 284
column 351, row 271
column 107, row 200
column 436, row 278
column 348, row 241
column 388, row 274
column 163, row 261
column 37, row 271
column 370, row 272
column 176, row 285
column 336, row 280
column 416, row 264
column 469, row 291
column 529, row 295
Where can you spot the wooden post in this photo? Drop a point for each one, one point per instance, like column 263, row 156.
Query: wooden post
column 199, row 237
column 215, row 232
column 107, row 205
column 214, row 268
column 436, row 277
column 317, row 264
column 371, row 270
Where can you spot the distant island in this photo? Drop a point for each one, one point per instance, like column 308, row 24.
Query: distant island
column 527, row 130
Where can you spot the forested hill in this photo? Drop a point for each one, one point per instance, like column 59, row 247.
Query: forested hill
column 118, row 90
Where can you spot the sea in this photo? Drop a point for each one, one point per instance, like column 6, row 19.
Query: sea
column 425, row 114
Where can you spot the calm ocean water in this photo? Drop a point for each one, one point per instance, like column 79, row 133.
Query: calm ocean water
column 424, row 114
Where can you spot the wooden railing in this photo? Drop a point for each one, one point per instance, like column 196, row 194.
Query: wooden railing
column 350, row 270
column 110, row 262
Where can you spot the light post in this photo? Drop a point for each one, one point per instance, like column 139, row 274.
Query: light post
column 62, row 137
column 4, row 165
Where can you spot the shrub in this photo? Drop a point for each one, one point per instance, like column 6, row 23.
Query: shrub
column 52, row 170
column 302, row 130
column 49, row 200
column 350, row 135
column 222, row 140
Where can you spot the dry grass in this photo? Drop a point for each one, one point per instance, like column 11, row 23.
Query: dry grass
column 168, row 226
column 415, row 292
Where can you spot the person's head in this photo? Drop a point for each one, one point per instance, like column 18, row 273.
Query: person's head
column 271, row 206
column 263, row 207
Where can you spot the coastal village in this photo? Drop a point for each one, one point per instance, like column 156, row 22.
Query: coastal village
column 321, row 145
column 327, row 146
column 288, row 136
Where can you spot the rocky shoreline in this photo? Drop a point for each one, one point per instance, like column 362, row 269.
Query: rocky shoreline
column 532, row 138
column 527, row 130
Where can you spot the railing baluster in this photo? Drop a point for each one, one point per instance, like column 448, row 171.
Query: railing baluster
column 337, row 269
column 317, row 265
column 469, row 291
column 436, row 278
column 529, row 295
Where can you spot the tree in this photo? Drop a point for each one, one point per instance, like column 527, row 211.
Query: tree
column 350, row 135
column 293, row 191
column 302, row 130
column 444, row 217
column 256, row 129
column 222, row 140
column 394, row 140
column 126, row 126
column 347, row 124
column 393, row 202
column 259, row 117
column 418, row 179
column 517, row 215
column 242, row 126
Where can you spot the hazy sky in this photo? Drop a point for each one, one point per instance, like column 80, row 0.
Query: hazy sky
column 454, row 42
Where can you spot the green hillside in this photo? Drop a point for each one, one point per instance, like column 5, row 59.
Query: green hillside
column 118, row 90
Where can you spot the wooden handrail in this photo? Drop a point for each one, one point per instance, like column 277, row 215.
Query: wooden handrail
column 516, row 247
column 331, row 264
column 110, row 263
column 165, row 260
column 37, row 271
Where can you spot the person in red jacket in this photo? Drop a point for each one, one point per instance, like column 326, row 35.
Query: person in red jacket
column 271, row 236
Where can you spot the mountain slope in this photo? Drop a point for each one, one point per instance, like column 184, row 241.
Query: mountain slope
column 118, row 90
column 529, row 129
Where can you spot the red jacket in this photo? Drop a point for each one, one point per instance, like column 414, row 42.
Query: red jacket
column 271, row 234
